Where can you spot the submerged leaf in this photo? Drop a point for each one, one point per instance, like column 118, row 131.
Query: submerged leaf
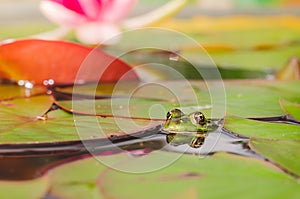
column 59, row 61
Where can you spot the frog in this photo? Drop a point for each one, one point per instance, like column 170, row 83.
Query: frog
column 183, row 128
column 178, row 122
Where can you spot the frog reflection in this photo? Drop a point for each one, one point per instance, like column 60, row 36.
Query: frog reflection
column 194, row 141
column 186, row 128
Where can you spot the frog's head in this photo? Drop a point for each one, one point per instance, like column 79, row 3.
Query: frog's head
column 178, row 122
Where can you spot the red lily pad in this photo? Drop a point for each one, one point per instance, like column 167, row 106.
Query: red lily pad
column 39, row 60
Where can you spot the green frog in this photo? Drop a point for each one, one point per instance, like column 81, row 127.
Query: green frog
column 186, row 128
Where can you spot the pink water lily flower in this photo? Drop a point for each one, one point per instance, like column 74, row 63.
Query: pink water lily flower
column 97, row 21
column 94, row 20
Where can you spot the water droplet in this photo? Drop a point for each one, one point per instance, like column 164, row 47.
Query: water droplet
column 51, row 82
column 49, row 92
column 48, row 82
column 28, row 85
column 21, row 82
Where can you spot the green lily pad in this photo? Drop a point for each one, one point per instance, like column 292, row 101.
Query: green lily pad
column 189, row 177
column 283, row 152
column 27, row 189
column 252, row 48
column 259, row 129
column 243, row 98
column 135, row 99
column 264, row 60
column 136, row 109
column 64, row 184
column 20, row 123
column 8, row 92
column 259, row 98
column 250, row 39
column 170, row 91
column 291, row 109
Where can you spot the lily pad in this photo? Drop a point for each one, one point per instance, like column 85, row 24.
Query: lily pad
column 291, row 109
column 27, row 189
column 55, row 61
column 239, row 31
column 244, row 42
column 244, row 98
column 135, row 99
column 170, row 91
column 130, row 108
column 268, row 59
column 188, row 177
column 283, row 152
column 8, row 92
column 259, row 98
column 290, row 71
column 80, row 185
column 21, row 123
column 259, row 129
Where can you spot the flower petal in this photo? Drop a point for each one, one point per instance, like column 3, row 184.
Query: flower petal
column 98, row 33
column 71, row 4
column 115, row 10
column 59, row 14
column 91, row 8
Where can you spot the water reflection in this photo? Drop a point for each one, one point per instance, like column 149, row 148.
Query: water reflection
column 27, row 167
column 27, row 163
column 216, row 141
column 193, row 140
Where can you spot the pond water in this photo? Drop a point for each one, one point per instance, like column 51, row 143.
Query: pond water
column 23, row 161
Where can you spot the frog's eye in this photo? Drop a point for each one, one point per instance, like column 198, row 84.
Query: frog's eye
column 198, row 118
column 175, row 113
